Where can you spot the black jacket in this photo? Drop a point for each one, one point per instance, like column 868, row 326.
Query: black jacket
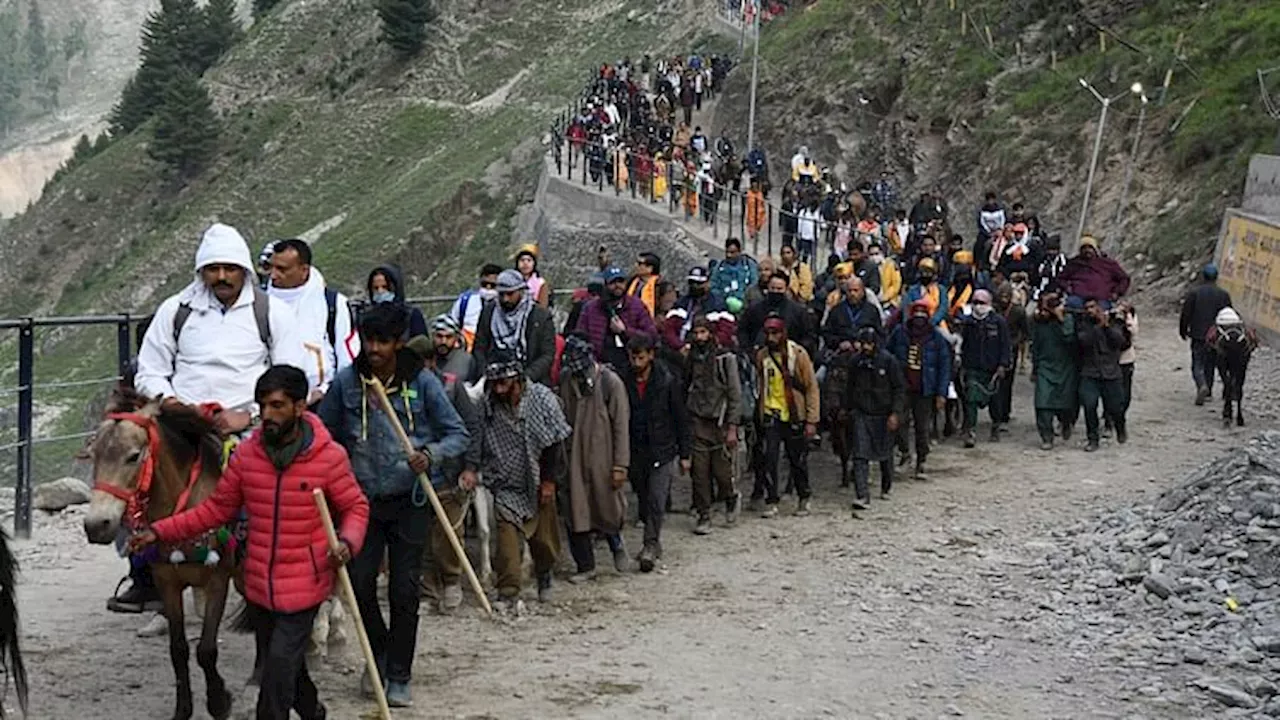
column 1100, row 348
column 751, row 329
column 1200, row 310
column 660, row 430
column 844, row 321
column 539, row 339
column 876, row 386
column 985, row 344
column 869, row 273
column 417, row 322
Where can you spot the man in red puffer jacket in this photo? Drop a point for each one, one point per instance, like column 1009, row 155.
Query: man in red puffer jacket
column 289, row 567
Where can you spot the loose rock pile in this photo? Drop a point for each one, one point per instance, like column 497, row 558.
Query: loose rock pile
column 1188, row 584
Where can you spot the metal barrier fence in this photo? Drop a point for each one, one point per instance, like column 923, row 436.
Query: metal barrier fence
column 30, row 448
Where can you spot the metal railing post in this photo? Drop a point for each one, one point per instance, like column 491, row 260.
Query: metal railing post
column 124, row 344
column 26, row 392
column 770, row 223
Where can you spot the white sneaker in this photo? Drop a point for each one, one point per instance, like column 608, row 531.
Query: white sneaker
column 157, row 626
column 452, row 598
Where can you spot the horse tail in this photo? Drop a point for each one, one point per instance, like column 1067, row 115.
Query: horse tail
column 10, row 650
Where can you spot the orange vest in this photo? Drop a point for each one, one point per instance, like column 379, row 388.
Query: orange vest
column 646, row 290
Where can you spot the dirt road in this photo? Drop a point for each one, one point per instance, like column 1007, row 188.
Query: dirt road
column 922, row 609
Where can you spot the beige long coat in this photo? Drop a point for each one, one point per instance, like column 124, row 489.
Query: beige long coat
column 600, row 442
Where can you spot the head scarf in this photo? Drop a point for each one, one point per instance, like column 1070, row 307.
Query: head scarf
column 578, row 359
column 508, row 327
column 503, row 368
column 445, row 322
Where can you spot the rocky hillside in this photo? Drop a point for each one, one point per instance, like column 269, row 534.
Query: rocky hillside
column 970, row 95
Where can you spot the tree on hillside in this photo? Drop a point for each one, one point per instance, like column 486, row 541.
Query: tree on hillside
column 186, row 128
column 37, row 44
column 262, row 7
column 172, row 41
column 221, row 30
column 404, row 24
column 11, row 68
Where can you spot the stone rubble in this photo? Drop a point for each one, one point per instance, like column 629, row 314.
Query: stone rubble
column 60, row 494
column 1185, row 587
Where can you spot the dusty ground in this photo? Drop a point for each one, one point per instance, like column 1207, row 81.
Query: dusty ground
column 924, row 608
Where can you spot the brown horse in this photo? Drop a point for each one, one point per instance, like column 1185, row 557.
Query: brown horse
column 835, row 412
column 10, row 650
column 150, row 462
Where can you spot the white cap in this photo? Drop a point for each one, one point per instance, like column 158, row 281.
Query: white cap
column 223, row 244
column 1228, row 316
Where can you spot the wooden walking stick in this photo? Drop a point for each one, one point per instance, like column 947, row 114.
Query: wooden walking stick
column 349, row 597
column 425, row 481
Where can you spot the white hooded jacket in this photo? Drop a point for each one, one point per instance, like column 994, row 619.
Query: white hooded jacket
column 219, row 354
column 311, row 319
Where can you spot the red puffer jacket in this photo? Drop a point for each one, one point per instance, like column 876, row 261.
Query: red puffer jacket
column 287, row 568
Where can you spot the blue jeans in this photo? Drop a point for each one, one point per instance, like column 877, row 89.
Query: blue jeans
column 1202, row 365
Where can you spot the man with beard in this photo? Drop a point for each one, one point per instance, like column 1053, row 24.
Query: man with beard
column 875, row 394
column 734, row 275
column 775, row 302
column 660, row 439
column 924, row 355
column 517, row 324
column 1100, row 340
column 597, row 409
column 787, row 413
column 389, row 477
column 611, row 320
column 284, row 586
column 801, row 286
column 452, row 361
column 523, row 454
column 714, row 401
column 1053, row 367
column 984, row 356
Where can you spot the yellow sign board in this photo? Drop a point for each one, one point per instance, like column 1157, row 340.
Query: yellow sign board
column 1249, row 268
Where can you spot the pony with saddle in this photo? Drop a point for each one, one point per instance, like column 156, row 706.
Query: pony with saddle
column 1232, row 345
column 149, row 462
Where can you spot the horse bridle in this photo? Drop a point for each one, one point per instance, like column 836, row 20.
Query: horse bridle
column 137, row 498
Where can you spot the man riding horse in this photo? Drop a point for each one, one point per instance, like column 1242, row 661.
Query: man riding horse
column 203, row 352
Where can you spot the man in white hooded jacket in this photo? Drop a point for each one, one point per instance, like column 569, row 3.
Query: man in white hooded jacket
column 211, row 341
column 322, row 317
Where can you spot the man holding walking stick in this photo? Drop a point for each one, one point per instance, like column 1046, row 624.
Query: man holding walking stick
column 274, row 474
column 388, row 473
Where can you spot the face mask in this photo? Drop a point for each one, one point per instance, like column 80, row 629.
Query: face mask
column 876, row 259
column 774, row 299
column 697, row 290
column 383, row 296
column 918, row 323
column 926, row 278
column 487, row 294
column 981, row 311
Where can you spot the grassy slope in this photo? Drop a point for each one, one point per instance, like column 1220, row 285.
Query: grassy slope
column 321, row 121
column 1026, row 129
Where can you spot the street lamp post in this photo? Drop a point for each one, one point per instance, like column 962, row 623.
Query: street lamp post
column 755, row 74
column 1133, row 157
column 1097, row 148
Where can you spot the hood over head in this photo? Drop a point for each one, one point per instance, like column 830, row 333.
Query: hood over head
column 223, row 244
column 392, row 273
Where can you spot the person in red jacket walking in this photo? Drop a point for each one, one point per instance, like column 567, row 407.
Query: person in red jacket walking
column 289, row 568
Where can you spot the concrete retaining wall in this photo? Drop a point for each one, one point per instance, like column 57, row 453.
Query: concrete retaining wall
column 1262, row 188
column 1248, row 257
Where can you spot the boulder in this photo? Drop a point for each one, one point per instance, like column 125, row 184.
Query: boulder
column 60, row 494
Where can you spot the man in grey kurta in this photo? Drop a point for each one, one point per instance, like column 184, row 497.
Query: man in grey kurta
column 597, row 408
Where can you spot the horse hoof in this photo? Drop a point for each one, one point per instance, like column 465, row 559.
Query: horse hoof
column 219, row 706
column 1239, row 422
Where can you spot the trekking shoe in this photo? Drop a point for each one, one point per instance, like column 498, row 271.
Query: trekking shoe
column 802, row 510
column 920, row 473
column 647, row 560
column 544, row 587
column 969, row 440
column 904, row 457
column 451, row 598
column 886, row 495
column 1046, row 444
column 1202, row 393
column 620, row 560
column 755, row 505
column 704, row 525
column 861, row 503
column 1066, row 431
column 582, row 576
column 398, row 695
column 134, row 600
column 732, row 507
column 1092, row 446
column 770, row 511
column 995, row 433
column 1122, row 435
column 158, row 625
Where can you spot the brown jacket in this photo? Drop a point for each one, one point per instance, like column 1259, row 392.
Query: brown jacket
column 799, row 377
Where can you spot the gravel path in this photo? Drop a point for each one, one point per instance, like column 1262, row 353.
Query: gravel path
column 935, row 604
